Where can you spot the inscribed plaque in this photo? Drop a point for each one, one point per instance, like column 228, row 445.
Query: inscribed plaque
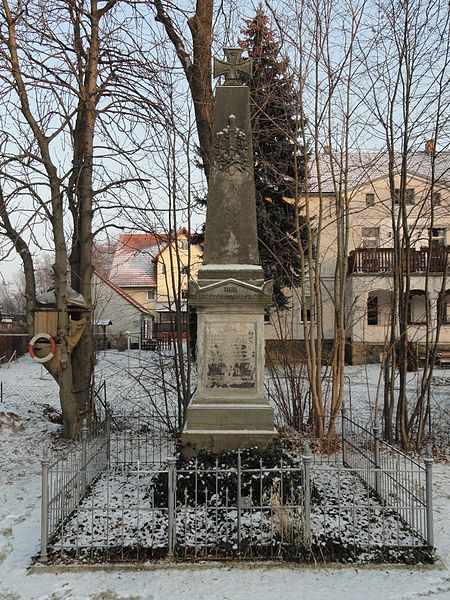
column 230, row 355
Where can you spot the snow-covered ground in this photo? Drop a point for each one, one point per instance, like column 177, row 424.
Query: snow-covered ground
column 24, row 431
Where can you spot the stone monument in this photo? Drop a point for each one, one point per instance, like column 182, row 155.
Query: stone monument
column 229, row 409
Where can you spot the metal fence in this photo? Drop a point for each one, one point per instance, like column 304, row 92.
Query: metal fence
column 66, row 479
column 125, row 496
column 400, row 481
column 190, row 512
column 106, row 444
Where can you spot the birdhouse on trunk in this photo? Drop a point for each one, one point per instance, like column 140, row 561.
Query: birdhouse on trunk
column 46, row 320
column 45, row 346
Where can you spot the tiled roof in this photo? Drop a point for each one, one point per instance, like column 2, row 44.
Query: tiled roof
column 364, row 167
column 133, row 264
column 123, row 294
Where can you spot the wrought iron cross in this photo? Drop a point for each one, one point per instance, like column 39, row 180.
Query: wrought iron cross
column 233, row 67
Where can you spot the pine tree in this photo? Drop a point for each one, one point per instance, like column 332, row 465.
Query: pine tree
column 278, row 158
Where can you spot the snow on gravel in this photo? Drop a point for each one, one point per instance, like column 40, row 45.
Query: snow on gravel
column 24, row 431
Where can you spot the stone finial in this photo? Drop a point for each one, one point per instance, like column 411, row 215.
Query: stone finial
column 232, row 66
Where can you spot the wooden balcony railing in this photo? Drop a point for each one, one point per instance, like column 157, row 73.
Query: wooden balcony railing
column 381, row 260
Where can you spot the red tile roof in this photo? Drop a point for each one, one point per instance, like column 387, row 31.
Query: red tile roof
column 134, row 259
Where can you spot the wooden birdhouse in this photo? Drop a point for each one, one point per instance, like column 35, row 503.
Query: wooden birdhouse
column 46, row 320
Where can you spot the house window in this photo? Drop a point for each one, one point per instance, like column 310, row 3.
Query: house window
column 151, row 294
column 183, row 245
column 409, row 195
column 418, row 307
column 444, row 308
column 267, row 315
column 163, row 269
column 305, row 310
column 436, row 198
column 370, row 199
column 437, row 238
column 372, row 310
column 184, row 294
column 370, row 237
column 185, row 270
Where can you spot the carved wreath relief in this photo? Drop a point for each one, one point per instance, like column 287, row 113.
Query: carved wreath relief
column 231, row 148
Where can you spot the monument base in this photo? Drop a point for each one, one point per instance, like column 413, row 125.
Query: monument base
column 221, row 427
column 223, row 440
column 229, row 410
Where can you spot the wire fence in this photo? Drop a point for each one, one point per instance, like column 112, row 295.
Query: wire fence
column 124, row 496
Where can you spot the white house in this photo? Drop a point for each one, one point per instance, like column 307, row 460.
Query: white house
column 371, row 214
column 113, row 305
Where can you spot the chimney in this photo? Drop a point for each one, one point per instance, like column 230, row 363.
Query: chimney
column 327, row 149
column 430, row 147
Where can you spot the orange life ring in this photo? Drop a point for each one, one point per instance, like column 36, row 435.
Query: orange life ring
column 50, row 355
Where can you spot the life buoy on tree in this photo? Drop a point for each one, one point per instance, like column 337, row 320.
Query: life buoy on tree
column 50, row 355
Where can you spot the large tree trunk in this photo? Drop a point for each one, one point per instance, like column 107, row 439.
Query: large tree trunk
column 81, row 201
column 197, row 69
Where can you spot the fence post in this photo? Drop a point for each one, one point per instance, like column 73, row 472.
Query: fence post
column 376, row 456
column 239, row 499
column 344, row 439
column 108, row 434
column 84, row 456
column 307, row 458
column 428, row 460
column 171, row 504
column 44, row 506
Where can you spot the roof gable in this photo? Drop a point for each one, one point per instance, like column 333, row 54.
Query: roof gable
column 122, row 294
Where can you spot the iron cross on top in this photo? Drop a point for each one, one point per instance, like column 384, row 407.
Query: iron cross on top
column 233, row 67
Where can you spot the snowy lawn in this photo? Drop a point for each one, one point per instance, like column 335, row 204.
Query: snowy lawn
column 24, row 430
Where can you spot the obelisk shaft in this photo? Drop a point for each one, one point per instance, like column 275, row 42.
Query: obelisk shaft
column 230, row 233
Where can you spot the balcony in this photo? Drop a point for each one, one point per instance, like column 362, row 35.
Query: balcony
column 381, row 260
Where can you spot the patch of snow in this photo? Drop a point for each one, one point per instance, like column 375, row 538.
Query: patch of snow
column 21, row 443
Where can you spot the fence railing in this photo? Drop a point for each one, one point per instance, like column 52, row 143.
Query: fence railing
column 104, row 445
column 399, row 480
column 382, row 260
column 65, row 481
column 142, row 503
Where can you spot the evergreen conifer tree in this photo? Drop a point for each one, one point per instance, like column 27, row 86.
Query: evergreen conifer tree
column 278, row 158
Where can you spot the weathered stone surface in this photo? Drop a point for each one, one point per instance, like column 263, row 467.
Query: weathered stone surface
column 217, row 441
column 229, row 409
column 230, row 362
column 229, row 291
column 230, row 234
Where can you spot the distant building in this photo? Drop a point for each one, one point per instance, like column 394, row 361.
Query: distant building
column 149, row 272
column 116, row 313
column 370, row 257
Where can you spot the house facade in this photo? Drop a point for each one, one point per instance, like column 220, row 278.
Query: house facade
column 154, row 270
column 116, row 313
column 371, row 215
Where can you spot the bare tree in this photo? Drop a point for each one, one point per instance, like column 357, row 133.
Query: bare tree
column 407, row 70
column 78, row 106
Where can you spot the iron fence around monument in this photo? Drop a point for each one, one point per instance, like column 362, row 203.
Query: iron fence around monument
column 66, row 479
column 123, row 497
